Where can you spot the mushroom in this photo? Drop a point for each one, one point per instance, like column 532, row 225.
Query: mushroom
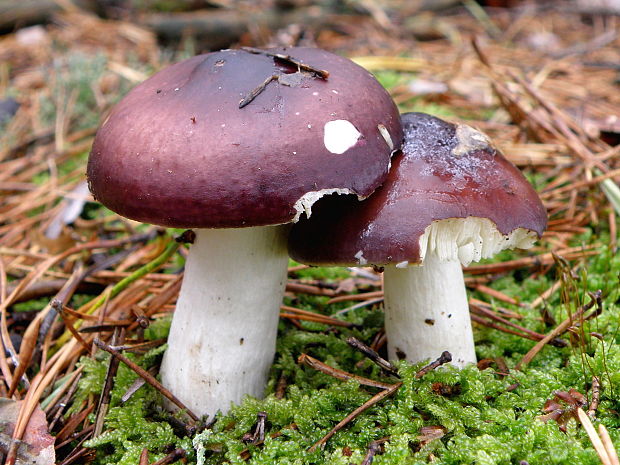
column 450, row 198
column 238, row 143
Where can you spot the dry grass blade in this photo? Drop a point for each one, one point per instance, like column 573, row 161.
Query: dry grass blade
column 362, row 296
column 594, row 437
column 375, row 63
column 5, row 339
column 26, row 351
column 299, row 314
column 69, row 385
column 37, row 386
column 609, row 446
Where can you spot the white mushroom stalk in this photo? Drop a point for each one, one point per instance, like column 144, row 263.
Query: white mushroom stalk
column 222, row 340
column 426, row 306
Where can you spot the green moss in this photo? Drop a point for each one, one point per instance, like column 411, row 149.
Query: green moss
column 487, row 418
column 484, row 423
column 129, row 425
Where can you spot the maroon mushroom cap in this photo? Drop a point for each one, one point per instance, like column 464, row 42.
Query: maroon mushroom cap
column 179, row 151
column 444, row 171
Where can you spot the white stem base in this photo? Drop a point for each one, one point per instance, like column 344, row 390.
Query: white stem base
column 426, row 312
column 222, row 339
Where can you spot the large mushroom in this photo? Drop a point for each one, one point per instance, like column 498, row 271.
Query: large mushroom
column 239, row 139
column 451, row 198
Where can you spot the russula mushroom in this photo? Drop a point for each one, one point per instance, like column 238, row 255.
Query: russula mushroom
column 231, row 143
column 450, row 198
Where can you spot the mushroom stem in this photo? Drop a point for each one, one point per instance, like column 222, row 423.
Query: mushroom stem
column 426, row 312
column 223, row 333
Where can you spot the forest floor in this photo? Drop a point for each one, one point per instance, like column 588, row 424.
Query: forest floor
column 541, row 79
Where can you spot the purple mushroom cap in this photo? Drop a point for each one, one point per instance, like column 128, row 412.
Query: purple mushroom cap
column 179, row 151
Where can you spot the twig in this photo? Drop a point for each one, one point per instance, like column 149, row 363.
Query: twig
column 289, row 59
column 141, row 346
column 256, row 91
column 77, row 452
column 373, row 448
column 374, row 356
column 146, row 376
column 497, row 295
column 87, row 317
column 106, row 391
column 278, row 77
column 58, row 307
column 520, row 330
column 536, row 261
column 144, row 457
column 595, row 299
column 122, row 284
column 172, row 457
column 73, row 422
column 308, row 289
column 258, row 436
column 444, row 358
column 596, row 396
column 245, row 453
column 339, row 374
column 365, row 406
column 482, row 17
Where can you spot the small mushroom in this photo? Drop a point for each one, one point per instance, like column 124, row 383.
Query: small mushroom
column 221, row 143
column 451, row 198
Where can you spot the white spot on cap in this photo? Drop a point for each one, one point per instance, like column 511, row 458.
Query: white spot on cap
column 402, row 264
column 470, row 140
column 360, row 257
column 340, row 135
